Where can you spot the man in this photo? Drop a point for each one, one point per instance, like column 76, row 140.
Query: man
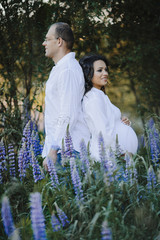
column 64, row 92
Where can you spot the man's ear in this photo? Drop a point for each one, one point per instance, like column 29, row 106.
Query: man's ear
column 60, row 41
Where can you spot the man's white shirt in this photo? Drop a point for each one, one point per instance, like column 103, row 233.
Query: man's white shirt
column 63, row 97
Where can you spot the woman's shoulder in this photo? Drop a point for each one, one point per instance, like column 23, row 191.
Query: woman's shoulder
column 93, row 96
column 94, row 93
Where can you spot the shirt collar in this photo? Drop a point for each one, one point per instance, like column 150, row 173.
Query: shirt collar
column 67, row 57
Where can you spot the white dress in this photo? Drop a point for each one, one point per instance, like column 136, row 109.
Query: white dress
column 102, row 116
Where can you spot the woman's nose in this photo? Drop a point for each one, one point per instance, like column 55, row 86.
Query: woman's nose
column 105, row 72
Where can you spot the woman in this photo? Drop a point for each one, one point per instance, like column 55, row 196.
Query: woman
column 100, row 114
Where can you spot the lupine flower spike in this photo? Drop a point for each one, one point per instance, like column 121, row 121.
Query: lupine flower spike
column 102, row 152
column 52, row 172
column 151, row 179
column 11, row 158
column 154, row 141
column 119, row 151
column 3, row 168
column 62, row 216
column 55, row 223
column 36, row 169
column 63, row 155
column 37, row 217
column 7, row 217
column 84, row 157
column 69, row 144
column 26, row 142
column 128, row 172
column 106, row 233
column 36, row 142
column 76, row 180
column 21, row 163
column 1, row 178
column 107, row 165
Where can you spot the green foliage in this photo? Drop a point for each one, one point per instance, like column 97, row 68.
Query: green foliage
column 23, row 67
column 131, row 209
column 134, row 42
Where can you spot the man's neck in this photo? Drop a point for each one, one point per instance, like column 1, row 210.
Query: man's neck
column 60, row 56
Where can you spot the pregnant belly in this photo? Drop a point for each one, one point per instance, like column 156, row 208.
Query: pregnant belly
column 127, row 137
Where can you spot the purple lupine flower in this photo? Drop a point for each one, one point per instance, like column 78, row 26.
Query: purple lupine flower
column 11, row 158
column 27, row 132
column 55, row 223
column 69, row 144
column 22, row 162
column 7, row 217
column 3, row 156
column 52, row 172
column 128, row 173
column 107, row 157
column 141, row 142
column 37, row 175
column 118, row 151
column 102, row 152
column 36, row 143
column 135, row 175
column 84, row 157
column 62, row 216
column 150, row 123
column 110, row 165
column 106, row 233
column 63, row 155
column 37, row 217
column 151, row 178
column 27, row 141
column 3, row 164
column 1, row 178
column 153, row 140
column 154, row 148
column 76, row 180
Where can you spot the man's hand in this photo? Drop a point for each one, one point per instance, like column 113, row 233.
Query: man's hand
column 52, row 155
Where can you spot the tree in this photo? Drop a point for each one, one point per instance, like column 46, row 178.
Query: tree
column 22, row 62
column 134, row 32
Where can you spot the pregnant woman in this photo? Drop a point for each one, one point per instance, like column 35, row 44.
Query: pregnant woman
column 100, row 114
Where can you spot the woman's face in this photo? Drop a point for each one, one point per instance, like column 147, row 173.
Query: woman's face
column 100, row 76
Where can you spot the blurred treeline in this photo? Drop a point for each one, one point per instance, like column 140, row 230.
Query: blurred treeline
column 127, row 32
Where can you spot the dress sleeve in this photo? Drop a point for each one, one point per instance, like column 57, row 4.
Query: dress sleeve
column 99, row 118
column 68, row 90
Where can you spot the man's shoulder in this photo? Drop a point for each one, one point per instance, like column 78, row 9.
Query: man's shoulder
column 72, row 66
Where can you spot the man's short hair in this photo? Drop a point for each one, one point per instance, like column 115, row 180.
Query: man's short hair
column 64, row 31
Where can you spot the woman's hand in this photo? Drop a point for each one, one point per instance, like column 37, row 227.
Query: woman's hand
column 126, row 121
column 52, row 155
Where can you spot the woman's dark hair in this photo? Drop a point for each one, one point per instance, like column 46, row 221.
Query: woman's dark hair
column 86, row 63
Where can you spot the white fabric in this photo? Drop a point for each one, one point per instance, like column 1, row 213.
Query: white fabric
column 63, row 96
column 102, row 116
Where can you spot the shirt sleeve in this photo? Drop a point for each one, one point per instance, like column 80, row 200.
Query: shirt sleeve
column 69, row 92
column 99, row 118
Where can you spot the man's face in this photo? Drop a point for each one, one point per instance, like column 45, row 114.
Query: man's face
column 51, row 43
